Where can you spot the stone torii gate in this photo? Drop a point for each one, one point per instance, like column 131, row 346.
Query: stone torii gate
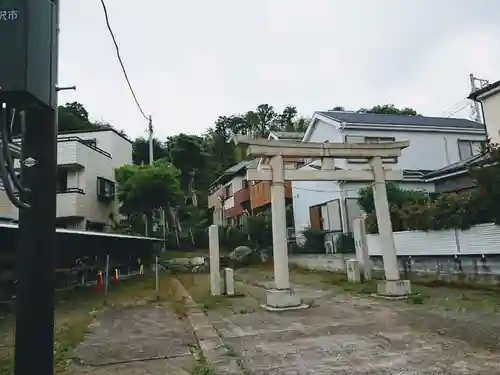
column 282, row 297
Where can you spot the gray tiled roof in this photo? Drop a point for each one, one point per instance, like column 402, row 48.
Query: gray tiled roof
column 400, row 120
column 455, row 167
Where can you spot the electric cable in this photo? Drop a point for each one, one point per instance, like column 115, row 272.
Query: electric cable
column 4, row 173
column 118, row 55
column 7, row 157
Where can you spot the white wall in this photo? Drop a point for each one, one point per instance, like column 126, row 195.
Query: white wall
column 98, row 165
column 491, row 108
column 427, row 150
column 478, row 240
column 114, row 144
column 236, row 184
column 310, row 193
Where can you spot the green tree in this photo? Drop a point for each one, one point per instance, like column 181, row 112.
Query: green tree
column 301, row 124
column 287, row 119
column 70, row 118
column 78, row 110
column 144, row 189
column 140, row 150
column 389, row 109
column 486, row 174
column 189, row 155
column 262, row 121
column 219, row 146
column 395, row 195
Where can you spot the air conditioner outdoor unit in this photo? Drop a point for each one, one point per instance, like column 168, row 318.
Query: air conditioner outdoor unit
column 329, row 247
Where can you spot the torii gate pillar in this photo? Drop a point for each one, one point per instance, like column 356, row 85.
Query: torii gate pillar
column 282, row 297
column 278, row 211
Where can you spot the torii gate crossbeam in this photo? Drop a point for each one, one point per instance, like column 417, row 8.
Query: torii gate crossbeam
column 283, row 297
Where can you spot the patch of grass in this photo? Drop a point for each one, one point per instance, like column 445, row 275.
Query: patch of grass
column 75, row 311
column 416, row 299
column 203, row 369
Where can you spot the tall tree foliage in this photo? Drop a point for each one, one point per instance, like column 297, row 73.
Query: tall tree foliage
column 140, row 150
column 189, row 155
column 75, row 117
column 144, row 189
column 486, row 173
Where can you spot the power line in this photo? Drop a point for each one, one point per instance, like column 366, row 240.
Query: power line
column 449, row 109
column 120, row 59
column 458, row 109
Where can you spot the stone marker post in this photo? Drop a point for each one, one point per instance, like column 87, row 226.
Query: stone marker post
column 361, row 245
column 213, row 238
column 229, row 281
column 353, row 274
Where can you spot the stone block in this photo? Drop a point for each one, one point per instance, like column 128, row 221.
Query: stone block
column 397, row 289
column 282, row 300
column 353, row 273
column 228, row 281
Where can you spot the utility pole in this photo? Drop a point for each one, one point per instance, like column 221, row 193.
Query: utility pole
column 28, row 77
column 150, row 131
column 151, row 161
column 477, row 84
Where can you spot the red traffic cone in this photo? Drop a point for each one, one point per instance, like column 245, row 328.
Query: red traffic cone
column 115, row 279
column 100, row 284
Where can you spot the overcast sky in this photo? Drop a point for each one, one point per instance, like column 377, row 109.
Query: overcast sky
column 191, row 61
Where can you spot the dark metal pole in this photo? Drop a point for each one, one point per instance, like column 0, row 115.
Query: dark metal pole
column 36, row 255
column 34, row 352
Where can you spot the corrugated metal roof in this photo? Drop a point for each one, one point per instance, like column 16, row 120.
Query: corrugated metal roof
column 289, row 135
column 231, row 171
column 248, row 164
column 400, row 120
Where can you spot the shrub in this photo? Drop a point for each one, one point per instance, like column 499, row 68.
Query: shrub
column 344, row 243
column 315, row 241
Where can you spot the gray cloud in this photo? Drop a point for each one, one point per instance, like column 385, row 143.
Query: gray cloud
column 191, row 61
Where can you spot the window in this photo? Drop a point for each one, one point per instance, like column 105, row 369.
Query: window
column 467, row 149
column 105, row 189
column 228, row 191
column 62, row 180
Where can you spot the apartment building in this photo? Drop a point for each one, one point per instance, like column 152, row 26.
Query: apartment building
column 86, row 193
column 229, row 195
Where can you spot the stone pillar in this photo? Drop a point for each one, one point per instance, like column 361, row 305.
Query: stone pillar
column 384, row 220
column 229, row 281
column 278, row 211
column 213, row 238
column 353, row 274
column 361, row 245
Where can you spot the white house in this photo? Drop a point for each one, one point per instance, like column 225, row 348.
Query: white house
column 434, row 143
column 489, row 97
column 86, row 164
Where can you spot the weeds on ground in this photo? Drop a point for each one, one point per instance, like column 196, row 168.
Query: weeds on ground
column 75, row 311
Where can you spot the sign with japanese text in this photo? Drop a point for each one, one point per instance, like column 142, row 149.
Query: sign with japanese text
column 8, row 15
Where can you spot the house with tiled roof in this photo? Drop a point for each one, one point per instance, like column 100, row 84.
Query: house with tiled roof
column 435, row 143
